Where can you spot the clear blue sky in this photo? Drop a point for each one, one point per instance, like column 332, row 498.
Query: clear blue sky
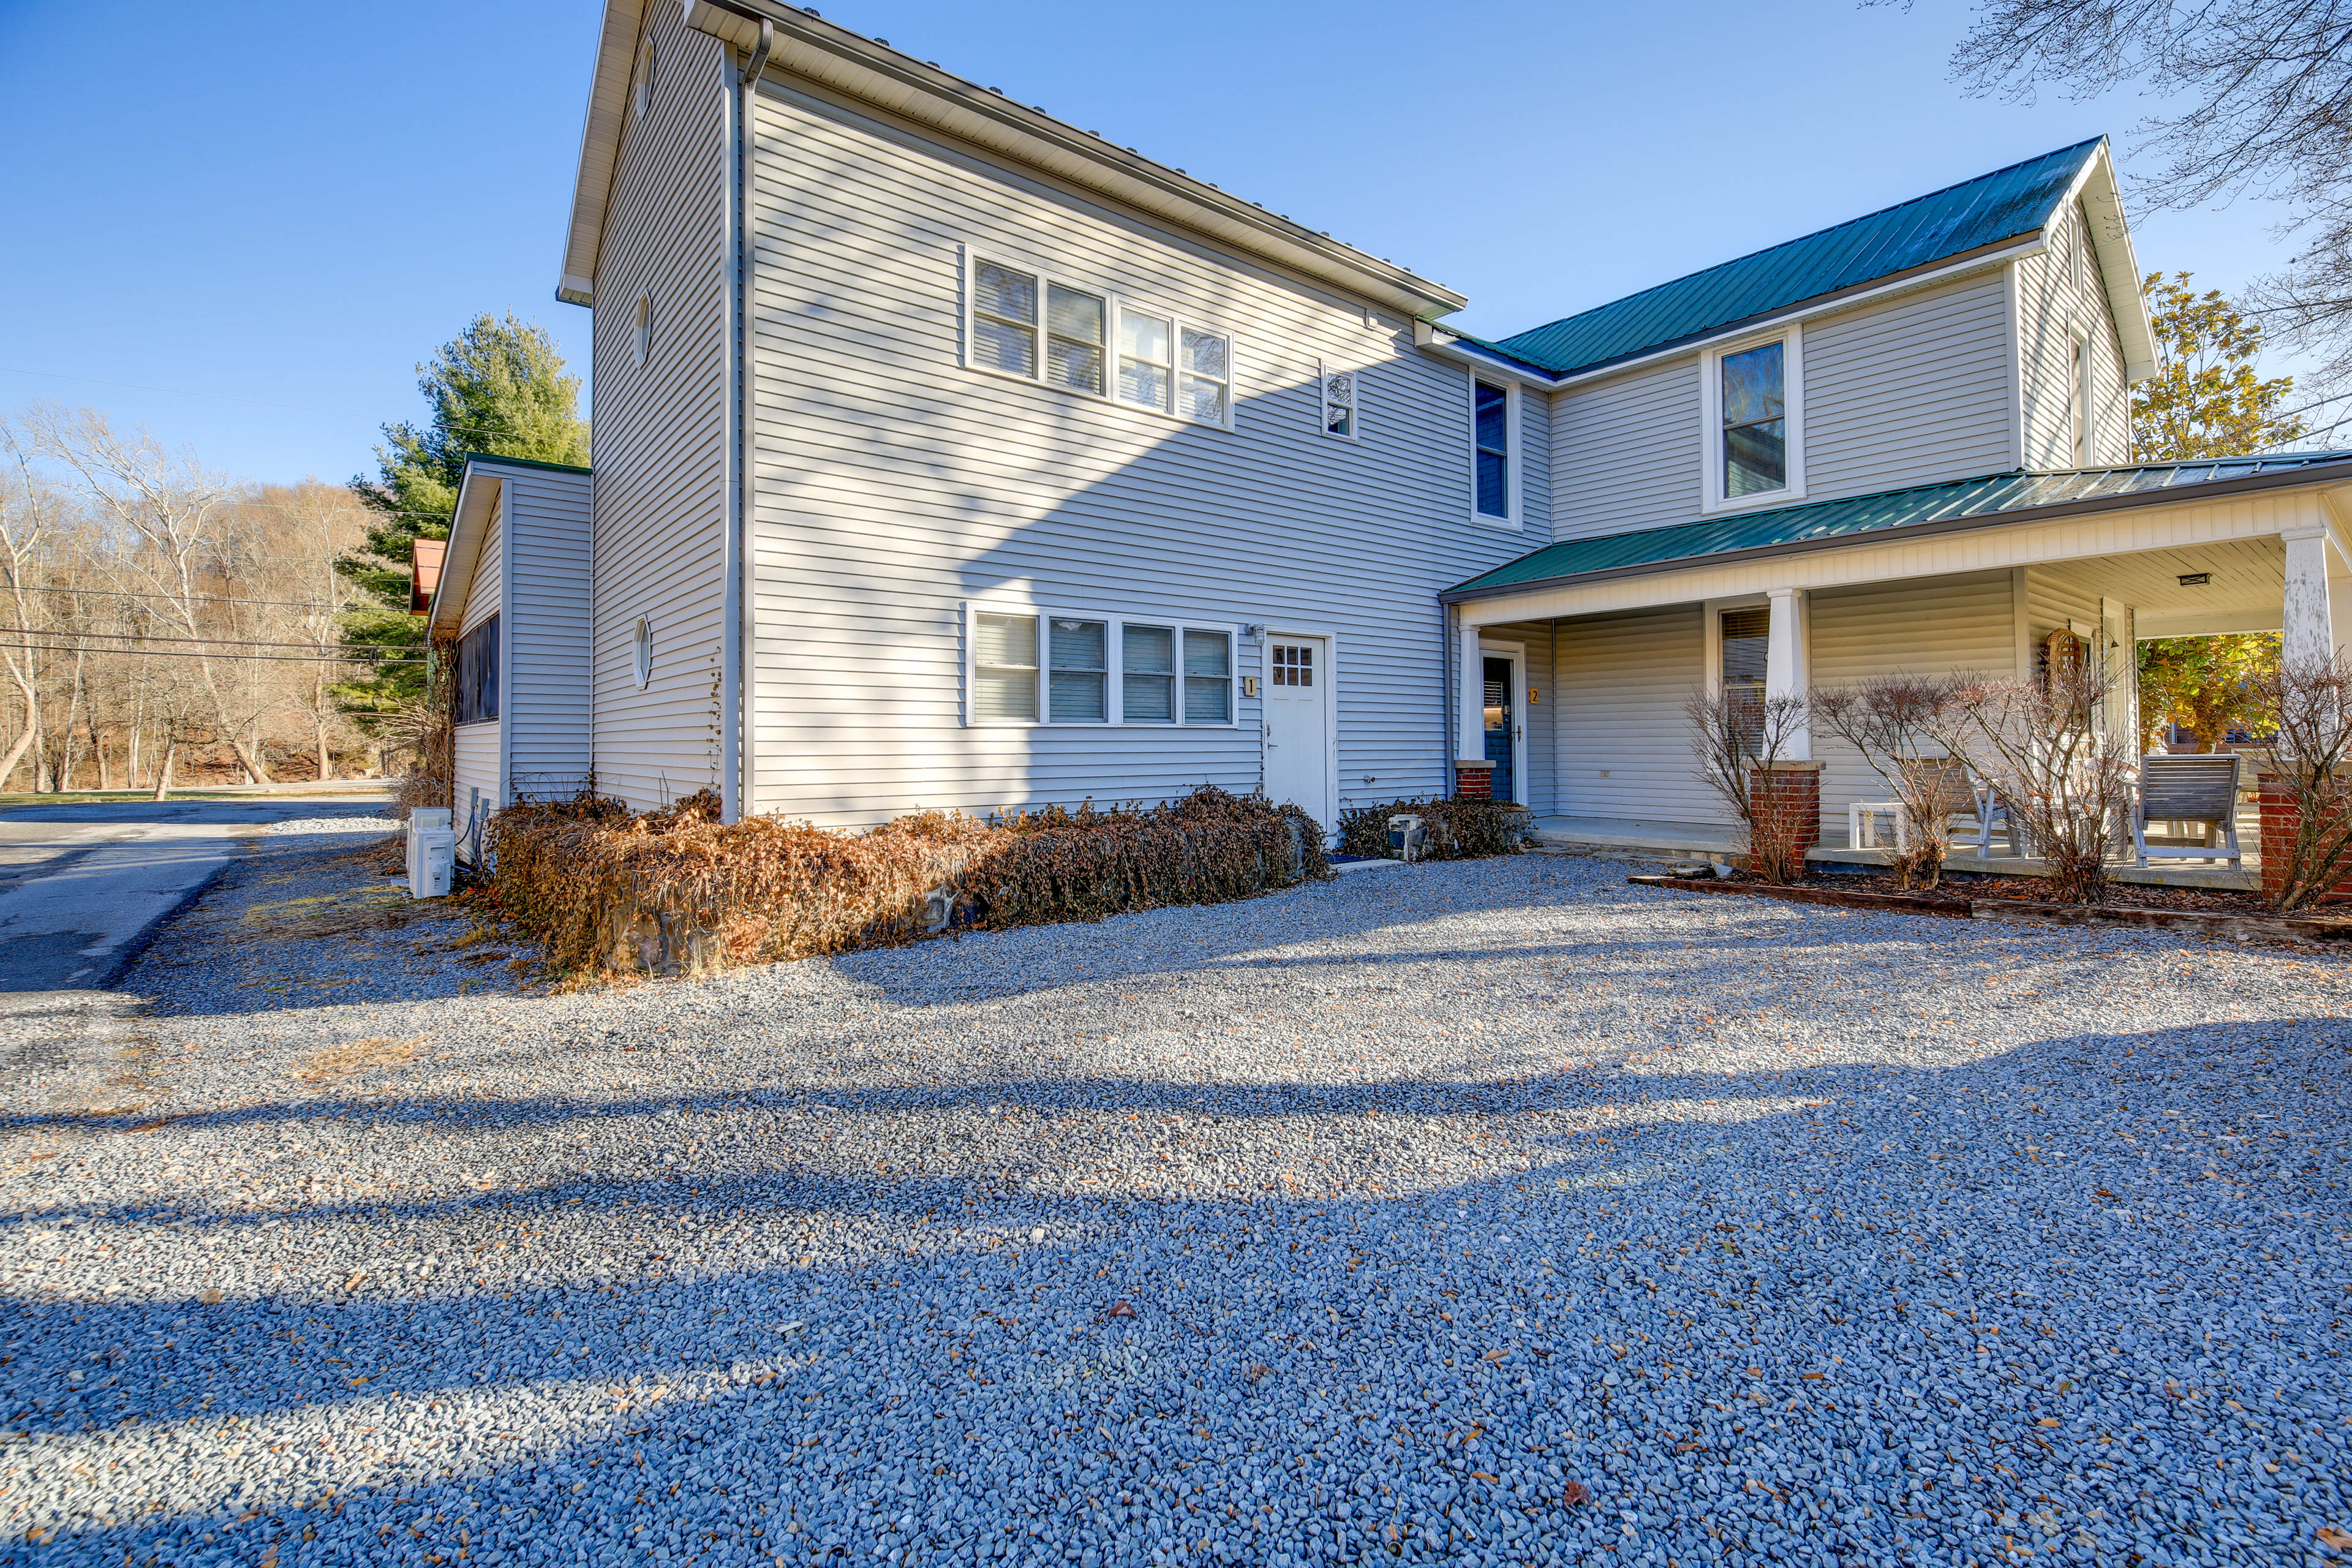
column 250, row 202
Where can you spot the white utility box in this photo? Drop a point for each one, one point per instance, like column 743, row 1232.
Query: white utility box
column 432, row 853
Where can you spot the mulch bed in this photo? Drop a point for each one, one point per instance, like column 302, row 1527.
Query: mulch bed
column 2033, row 890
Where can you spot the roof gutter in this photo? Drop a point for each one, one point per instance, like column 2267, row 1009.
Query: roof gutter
column 2325, row 474
column 1436, row 338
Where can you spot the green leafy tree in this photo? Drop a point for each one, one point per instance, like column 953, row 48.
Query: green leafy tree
column 2205, row 399
column 2208, row 686
column 497, row 388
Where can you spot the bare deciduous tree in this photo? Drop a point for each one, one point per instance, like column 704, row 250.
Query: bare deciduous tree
column 2308, row 707
column 2038, row 743
column 1891, row 719
column 1732, row 736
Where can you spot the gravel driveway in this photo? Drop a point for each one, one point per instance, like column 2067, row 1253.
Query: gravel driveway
column 1490, row 1213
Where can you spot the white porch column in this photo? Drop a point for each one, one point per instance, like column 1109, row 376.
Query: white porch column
column 1470, row 692
column 2307, row 631
column 1786, row 667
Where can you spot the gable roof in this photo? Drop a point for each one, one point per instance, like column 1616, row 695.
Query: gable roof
column 1944, row 226
column 1955, row 503
column 869, row 70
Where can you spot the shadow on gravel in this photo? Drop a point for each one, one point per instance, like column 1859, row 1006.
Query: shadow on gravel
column 374, row 1362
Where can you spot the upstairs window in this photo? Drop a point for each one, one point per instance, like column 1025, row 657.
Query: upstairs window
column 1751, row 399
column 1755, row 421
column 1338, row 401
column 1028, row 324
column 1490, row 426
column 2078, row 411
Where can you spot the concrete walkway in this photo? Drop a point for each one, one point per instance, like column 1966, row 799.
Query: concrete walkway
column 83, row 883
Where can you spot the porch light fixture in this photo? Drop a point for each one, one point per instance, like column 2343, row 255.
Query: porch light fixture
column 2195, row 579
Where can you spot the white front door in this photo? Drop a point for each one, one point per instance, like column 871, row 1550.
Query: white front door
column 1297, row 728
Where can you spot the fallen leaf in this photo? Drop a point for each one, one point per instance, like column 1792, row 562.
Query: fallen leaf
column 2331, row 1536
column 1121, row 1311
column 1575, row 1496
column 1493, row 1355
column 2048, row 1421
column 1812, row 1376
column 1482, row 1476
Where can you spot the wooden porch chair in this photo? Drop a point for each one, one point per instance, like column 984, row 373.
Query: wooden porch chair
column 2198, row 789
column 1960, row 794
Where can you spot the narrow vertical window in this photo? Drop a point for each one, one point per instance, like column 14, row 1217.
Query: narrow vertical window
column 1004, row 668
column 1204, row 383
column 1755, row 422
column 1208, row 678
column 1747, row 638
column 1491, row 427
column 1338, row 402
column 1145, row 376
column 1004, row 320
column 1074, row 339
column 1075, row 684
column 2079, row 404
column 1147, row 680
column 645, row 328
column 641, row 652
column 644, row 96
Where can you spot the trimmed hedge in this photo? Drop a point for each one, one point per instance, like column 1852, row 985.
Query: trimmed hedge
column 675, row 891
column 1455, row 830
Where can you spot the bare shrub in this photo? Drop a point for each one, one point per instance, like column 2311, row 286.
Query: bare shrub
column 1464, row 829
column 1891, row 719
column 2309, row 707
column 676, row 891
column 1732, row 735
column 2037, row 744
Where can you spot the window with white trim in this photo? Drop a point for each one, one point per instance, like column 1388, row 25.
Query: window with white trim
column 1490, row 440
column 1026, row 323
column 2078, row 400
column 1752, row 398
column 1339, row 401
column 643, row 94
column 1039, row 666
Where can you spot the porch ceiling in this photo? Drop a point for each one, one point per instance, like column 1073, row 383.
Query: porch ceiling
column 2249, row 580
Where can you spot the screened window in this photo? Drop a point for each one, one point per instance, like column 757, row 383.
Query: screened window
column 1074, row 339
column 1004, row 668
column 1026, row 324
column 1205, row 385
column 1747, row 635
column 1043, row 666
column 478, row 674
column 1004, row 320
column 1146, row 372
column 1147, row 674
column 1491, row 429
column 1755, row 421
column 1078, row 685
column 1208, row 677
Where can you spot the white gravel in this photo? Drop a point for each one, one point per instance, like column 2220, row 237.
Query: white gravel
column 1483, row 1214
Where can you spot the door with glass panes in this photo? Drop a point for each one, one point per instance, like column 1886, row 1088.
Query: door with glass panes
column 1297, row 733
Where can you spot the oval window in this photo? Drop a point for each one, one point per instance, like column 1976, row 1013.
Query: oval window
column 641, row 653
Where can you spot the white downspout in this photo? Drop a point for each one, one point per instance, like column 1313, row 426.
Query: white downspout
column 738, row 91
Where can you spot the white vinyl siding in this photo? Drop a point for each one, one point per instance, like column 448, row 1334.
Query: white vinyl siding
column 2054, row 313
column 895, row 488
column 1926, row 626
column 1900, row 392
column 545, row 698
column 1620, row 681
column 661, row 433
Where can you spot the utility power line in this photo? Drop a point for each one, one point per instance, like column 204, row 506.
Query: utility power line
column 225, row 642
column 178, row 653
column 207, row 598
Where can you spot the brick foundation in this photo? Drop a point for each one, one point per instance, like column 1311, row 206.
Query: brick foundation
column 1474, row 781
column 2281, row 818
column 1786, row 798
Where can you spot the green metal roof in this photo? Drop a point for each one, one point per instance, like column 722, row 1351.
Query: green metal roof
column 2004, row 204
column 1827, row 522
column 525, row 463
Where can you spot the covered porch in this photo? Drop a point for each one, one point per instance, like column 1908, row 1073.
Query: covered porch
column 1605, row 638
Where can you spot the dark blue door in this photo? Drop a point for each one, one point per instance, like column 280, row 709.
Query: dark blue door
column 1502, row 724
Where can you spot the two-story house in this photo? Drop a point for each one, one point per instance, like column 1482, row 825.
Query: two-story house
column 950, row 455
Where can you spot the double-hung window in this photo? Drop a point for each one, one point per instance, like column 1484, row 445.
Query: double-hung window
column 478, row 674
column 1041, row 666
column 1753, row 396
column 1490, row 434
column 1028, row 324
